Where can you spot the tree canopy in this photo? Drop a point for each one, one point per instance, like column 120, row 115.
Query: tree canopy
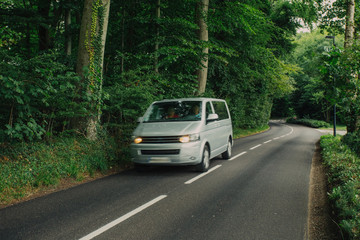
column 152, row 51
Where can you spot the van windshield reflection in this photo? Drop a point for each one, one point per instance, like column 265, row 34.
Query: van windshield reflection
column 174, row 111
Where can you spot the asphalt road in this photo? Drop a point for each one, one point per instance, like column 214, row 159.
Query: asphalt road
column 260, row 193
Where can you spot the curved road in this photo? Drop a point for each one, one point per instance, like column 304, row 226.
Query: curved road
column 260, row 193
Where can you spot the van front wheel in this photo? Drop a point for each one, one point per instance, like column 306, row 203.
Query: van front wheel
column 205, row 163
column 227, row 153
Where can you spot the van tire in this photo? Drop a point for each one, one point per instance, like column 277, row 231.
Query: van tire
column 227, row 153
column 205, row 161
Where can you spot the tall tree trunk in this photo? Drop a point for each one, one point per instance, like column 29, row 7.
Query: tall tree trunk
column 44, row 37
column 68, row 40
column 123, row 39
column 349, row 28
column 203, row 7
column 156, row 58
column 91, row 54
column 353, row 119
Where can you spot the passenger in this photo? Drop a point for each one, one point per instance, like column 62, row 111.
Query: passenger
column 195, row 112
column 171, row 113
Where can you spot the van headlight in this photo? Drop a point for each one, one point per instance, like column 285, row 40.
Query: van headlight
column 137, row 140
column 190, row 138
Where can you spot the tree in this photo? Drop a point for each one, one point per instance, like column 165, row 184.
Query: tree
column 44, row 36
column 91, row 56
column 349, row 27
column 353, row 119
column 68, row 39
column 202, row 14
column 156, row 58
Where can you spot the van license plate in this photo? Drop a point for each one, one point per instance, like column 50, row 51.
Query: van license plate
column 159, row 160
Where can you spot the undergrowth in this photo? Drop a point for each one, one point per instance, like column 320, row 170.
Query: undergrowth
column 344, row 177
column 29, row 166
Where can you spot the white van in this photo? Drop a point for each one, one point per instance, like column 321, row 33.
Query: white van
column 187, row 131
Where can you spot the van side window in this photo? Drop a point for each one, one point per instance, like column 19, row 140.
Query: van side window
column 221, row 110
column 208, row 109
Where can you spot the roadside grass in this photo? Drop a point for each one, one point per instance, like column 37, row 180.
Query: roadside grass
column 27, row 167
column 239, row 133
column 343, row 166
column 339, row 127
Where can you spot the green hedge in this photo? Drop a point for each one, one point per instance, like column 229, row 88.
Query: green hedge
column 344, row 176
column 309, row 122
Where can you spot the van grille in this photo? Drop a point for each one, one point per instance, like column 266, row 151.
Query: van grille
column 162, row 139
column 161, row 152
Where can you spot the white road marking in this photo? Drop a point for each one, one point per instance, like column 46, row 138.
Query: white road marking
column 267, row 141
column 255, row 147
column 123, row 218
column 203, row 174
column 237, row 156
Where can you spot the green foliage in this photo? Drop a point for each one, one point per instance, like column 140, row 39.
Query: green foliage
column 333, row 16
column 37, row 97
column 309, row 122
column 312, row 98
column 344, row 177
column 347, row 69
column 352, row 140
column 27, row 166
column 245, row 71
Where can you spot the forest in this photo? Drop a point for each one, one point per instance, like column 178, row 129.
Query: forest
column 90, row 68
column 78, row 67
column 75, row 76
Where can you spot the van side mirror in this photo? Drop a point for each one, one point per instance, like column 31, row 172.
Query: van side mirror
column 212, row 117
column 140, row 119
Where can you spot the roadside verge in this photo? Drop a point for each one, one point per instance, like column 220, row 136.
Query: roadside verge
column 320, row 220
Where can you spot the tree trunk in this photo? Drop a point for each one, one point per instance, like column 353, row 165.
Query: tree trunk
column 123, row 40
column 353, row 119
column 349, row 28
column 156, row 58
column 68, row 40
column 203, row 7
column 92, row 34
column 44, row 37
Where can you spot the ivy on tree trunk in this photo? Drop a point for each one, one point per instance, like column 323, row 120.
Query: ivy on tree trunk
column 90, row 58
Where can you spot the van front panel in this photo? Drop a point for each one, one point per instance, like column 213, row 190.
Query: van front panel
column 167, row 153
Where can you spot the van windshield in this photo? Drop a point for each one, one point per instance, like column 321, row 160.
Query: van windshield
column 174, row 111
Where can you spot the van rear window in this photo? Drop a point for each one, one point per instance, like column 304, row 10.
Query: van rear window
column 174, row 111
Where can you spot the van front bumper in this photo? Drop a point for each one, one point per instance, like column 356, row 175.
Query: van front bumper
column 167, row 153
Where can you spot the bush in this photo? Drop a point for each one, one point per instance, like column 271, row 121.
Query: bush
column 344, row 177
column 353, row 141
column 38, row 97
column 309, row 122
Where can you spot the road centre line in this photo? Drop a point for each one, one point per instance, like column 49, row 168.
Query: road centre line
column 203, row 174
column 237, row 156
column 255, row 147
column 267, row 141
column 123, row 218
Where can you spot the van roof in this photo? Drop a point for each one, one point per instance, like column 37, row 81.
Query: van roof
column 191, row 99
